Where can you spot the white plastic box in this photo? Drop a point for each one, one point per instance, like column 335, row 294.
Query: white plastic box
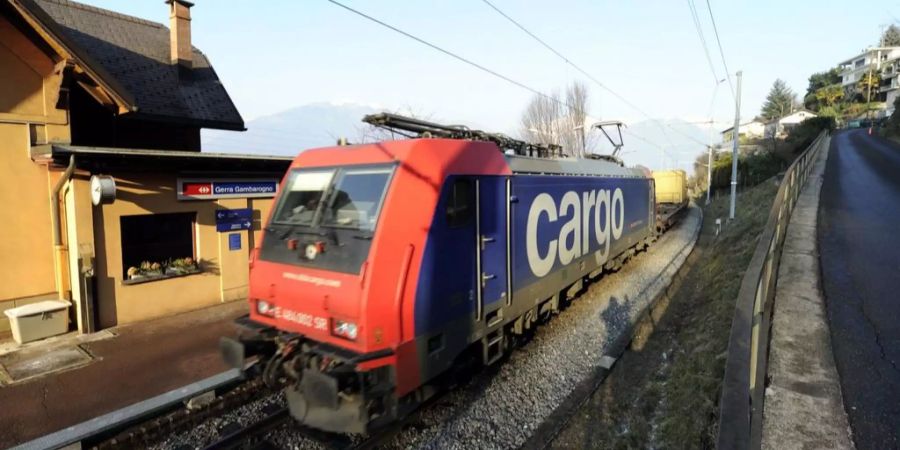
column 38, row 320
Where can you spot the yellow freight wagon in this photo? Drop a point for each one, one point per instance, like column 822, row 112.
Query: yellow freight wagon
column 671, row 186
column 671, row 196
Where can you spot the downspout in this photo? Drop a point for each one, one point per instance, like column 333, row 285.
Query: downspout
column 59, row 250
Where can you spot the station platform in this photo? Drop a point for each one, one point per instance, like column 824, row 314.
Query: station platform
column 53, row 384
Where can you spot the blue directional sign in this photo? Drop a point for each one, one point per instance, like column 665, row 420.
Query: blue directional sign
column 234, row 219
column 234, row 241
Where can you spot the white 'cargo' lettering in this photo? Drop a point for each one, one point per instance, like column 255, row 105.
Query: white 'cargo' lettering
column 543, row 203
column 573, row 240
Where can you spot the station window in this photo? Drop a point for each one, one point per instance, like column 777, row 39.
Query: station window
column 157, row 238
column 460, row 204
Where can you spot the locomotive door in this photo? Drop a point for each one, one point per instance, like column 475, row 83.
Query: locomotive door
column 492, row 216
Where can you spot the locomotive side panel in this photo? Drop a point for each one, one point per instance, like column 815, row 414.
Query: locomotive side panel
column 446, row 288
column 564, row 227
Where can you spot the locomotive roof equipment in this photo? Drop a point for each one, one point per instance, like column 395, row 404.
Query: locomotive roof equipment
column 425, row 129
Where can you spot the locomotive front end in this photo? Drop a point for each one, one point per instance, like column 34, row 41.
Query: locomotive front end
column 308, row 294
column 350, row 312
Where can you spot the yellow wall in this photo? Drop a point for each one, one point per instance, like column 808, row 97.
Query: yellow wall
column 225, row 276
column 26, row 265
column 29, row 85
column 29, row 89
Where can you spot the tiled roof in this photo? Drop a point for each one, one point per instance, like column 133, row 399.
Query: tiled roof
column 135, row 52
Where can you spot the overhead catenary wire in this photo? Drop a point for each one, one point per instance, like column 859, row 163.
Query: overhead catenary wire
column 575, row 66
column 447, row 52
column 603, row 86
column 698, row 27
column 721, row 52
column 458, row 57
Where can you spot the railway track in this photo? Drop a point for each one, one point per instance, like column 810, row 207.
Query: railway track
column 254, row 435
column 152, row 429
column 148, row 423
column 231, row 393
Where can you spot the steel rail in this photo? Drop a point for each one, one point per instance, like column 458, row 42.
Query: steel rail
column 249, row 434
column 743, row 387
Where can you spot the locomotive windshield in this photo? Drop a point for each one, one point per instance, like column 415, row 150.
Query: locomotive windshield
column 326, row 217
column 343, row 198
column 356, row 198
column 305, row 189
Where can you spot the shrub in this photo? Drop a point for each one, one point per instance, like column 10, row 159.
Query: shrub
column 892, row 124
column 803, row 134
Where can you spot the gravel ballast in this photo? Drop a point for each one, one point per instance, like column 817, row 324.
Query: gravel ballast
column 501, row 407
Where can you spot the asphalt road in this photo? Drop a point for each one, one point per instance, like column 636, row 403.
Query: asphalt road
column 859, row 245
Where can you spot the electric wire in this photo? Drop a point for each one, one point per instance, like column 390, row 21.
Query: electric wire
column 662, row 126
column 698, row 27
column 472, row 63
column 721, row 52
column 447, row 52
column 579, row 69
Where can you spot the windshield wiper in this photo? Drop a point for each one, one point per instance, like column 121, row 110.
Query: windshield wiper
column 293, row 229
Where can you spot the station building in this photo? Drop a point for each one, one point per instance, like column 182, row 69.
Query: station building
column 107, row 200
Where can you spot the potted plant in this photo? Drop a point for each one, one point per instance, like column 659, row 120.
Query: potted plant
column 182, row 266
column 190, row 265
column 151, row 269
column 175, row 267
column 134, row 273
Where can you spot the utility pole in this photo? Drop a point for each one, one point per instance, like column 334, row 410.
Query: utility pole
column 734, row 151
column 708, row 172
column 869, row 97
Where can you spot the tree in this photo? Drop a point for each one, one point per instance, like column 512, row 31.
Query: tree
column 780, row 101
column 891, row 37
column 829, row 95
column 892, row 126
column 540, row 121
column 699, row 180
column 577, row 99
column 551, row 121
column 869, row 80
column 818, row 81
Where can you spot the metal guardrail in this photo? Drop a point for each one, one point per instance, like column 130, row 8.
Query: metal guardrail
column 743, row 389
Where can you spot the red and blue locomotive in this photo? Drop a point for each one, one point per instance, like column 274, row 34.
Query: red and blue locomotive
column 383, row 265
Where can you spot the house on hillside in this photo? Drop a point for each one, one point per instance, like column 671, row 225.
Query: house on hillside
column 885, row 61
column 100, row 119
column 780, row 127
column 889, row 87
column 749, row 130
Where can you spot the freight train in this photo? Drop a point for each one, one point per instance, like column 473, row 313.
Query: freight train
column 383, row 267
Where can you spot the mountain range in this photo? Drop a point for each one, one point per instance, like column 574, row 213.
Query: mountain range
column 321, row 124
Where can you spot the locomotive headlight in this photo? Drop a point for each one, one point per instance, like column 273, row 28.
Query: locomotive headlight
column 344, row 329
column 265, row 308
column 313, row 250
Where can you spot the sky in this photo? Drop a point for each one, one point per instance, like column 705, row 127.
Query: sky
column 275, row 55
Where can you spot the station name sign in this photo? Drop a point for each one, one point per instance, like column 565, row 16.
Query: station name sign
column 213, row 188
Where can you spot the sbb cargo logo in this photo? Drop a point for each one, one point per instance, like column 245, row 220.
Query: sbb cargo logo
column 196, row 188
column 597, row 216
